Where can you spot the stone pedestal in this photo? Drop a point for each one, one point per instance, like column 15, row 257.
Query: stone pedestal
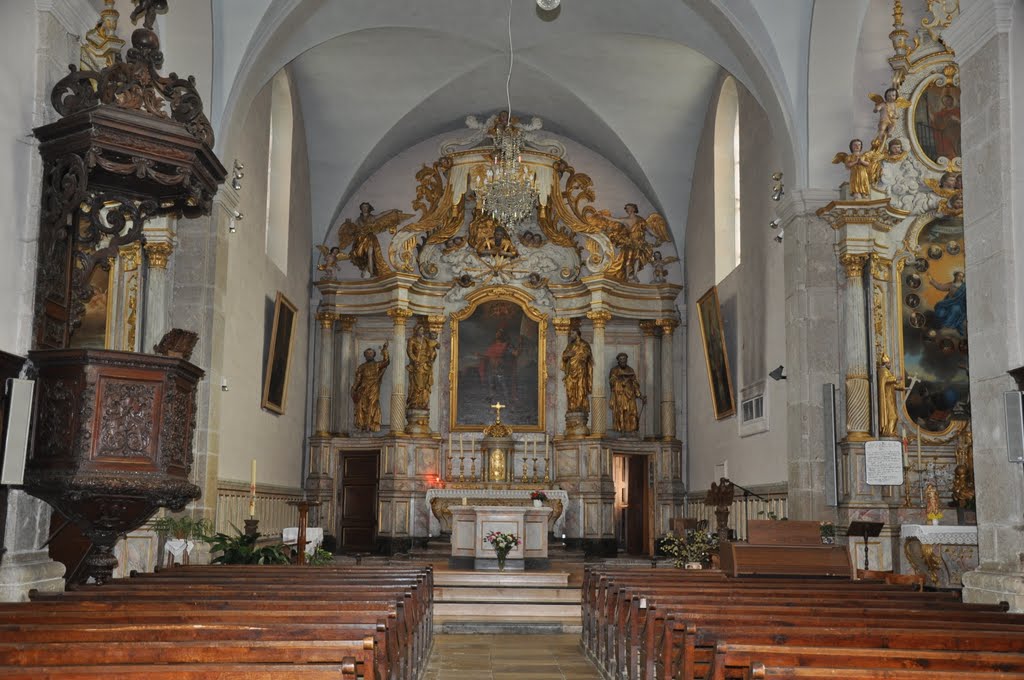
column 576, row 424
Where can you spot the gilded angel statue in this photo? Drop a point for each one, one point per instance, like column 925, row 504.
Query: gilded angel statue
column 888, row 109
column 951, row 190
column 629, row 235
column 361, row 236
column 865, row 166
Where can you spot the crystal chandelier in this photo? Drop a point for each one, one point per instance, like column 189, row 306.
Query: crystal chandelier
column 508, row 189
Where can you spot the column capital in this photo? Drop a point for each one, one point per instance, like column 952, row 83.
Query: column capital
column 326, row 319
column 347, row 321
column 650, row 328
column 562, row 325
column 881, row 268
column 599, row 318
column 158, row 253
column 435, row 322
column 853, row 263
column 667, row 325
column 399, row 315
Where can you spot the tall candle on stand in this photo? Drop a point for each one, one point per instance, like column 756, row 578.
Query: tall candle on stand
column 918, row 447
column 252, row 491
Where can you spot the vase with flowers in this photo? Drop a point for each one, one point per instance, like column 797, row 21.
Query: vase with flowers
column 538, row 498
column 503, row 544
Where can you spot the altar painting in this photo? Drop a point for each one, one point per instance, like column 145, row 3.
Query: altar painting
column 937, row 122
column 933, row 289
column 495, row 358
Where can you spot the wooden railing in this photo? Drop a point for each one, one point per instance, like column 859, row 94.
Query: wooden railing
column 774, row 504
column 272, row 509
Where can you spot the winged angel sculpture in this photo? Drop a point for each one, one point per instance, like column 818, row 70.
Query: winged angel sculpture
column 359, row 239
column 629, row 236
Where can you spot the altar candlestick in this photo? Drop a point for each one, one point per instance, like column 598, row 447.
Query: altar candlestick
column 919, row 447
column 252, row 491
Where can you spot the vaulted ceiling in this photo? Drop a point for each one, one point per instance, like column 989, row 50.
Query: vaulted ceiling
column 630, row 80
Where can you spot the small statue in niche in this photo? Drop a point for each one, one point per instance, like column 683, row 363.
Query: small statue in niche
column 422, row 350
column 888, row 107
column 931, row 503
column 366, row 389
column 888, row 386
column 361, row 237
column 625, row 390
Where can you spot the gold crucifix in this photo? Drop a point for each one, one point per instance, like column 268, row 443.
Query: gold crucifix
column 497, row 406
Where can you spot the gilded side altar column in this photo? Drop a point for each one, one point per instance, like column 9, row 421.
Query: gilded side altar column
column 344, row 424
column 649, row 425
column 322, row 424
column 399, row 359
column 599, row 395
column 562, row 326
column 858, row 386
column 668, row 391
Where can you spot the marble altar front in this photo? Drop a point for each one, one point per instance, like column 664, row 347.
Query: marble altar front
column 941, row 553
column 472, row 523
column 441, row 502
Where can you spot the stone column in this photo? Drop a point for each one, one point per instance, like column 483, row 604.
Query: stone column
column 562, row 326
column 668, row 392
column 812, row 335
column 398, row 363
column 650, row 329
column 599, row 396
column 987, row 46
column 435, row 324
column 858, row 385
column 157, row 315
column 322, row 425
column 348, row 324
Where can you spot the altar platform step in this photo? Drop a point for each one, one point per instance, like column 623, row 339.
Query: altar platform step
column 509, row 602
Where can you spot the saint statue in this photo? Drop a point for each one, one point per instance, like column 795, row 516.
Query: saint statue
column 625, row 389
column 629, row 236
column 422, row 351
column 888, row 386
column 578, row 369
column 931, row 502
column 366, row 389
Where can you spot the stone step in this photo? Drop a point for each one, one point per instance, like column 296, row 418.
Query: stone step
column 491, row 579
column 468, row 625
column 505, row 594
column 506, row 611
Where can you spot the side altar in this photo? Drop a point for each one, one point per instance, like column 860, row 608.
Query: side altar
column 472, row 524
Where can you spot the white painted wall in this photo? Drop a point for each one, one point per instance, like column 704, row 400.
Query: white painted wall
column 252, row 281
column 755, row 290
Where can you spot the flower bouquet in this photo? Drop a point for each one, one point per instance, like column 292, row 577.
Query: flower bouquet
column 828, row 532
column 503, row 544
column 538, row 498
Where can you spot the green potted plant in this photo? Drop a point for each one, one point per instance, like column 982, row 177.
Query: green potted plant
column 180, row 534
column 828, row 532
column 244, row 549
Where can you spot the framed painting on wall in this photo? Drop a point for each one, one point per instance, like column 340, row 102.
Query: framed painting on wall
column 715, row 354
column 497, row 350
column 279, row 358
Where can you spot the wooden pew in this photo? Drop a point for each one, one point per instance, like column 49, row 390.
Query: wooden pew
column 762, row 672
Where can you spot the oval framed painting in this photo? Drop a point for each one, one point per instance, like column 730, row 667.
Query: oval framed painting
column 935, row 121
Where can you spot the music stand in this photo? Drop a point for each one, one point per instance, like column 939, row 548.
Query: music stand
column 865, row 530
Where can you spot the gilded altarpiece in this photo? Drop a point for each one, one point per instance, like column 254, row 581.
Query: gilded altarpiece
column 498, row 300
column 901, row 245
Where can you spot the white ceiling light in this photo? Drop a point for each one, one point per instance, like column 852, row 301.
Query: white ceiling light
column 548, row 4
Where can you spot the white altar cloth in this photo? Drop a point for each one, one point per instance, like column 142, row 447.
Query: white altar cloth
column 931, row 534
column 314, row 537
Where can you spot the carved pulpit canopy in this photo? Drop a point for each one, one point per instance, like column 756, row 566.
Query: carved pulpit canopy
column 131, row 144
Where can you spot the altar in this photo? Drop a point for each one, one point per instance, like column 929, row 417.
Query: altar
column 941, row 553
column 442, row 501
column 472, row 523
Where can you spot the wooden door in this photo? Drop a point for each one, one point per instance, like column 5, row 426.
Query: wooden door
column 636, row 508
column 357, row 502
